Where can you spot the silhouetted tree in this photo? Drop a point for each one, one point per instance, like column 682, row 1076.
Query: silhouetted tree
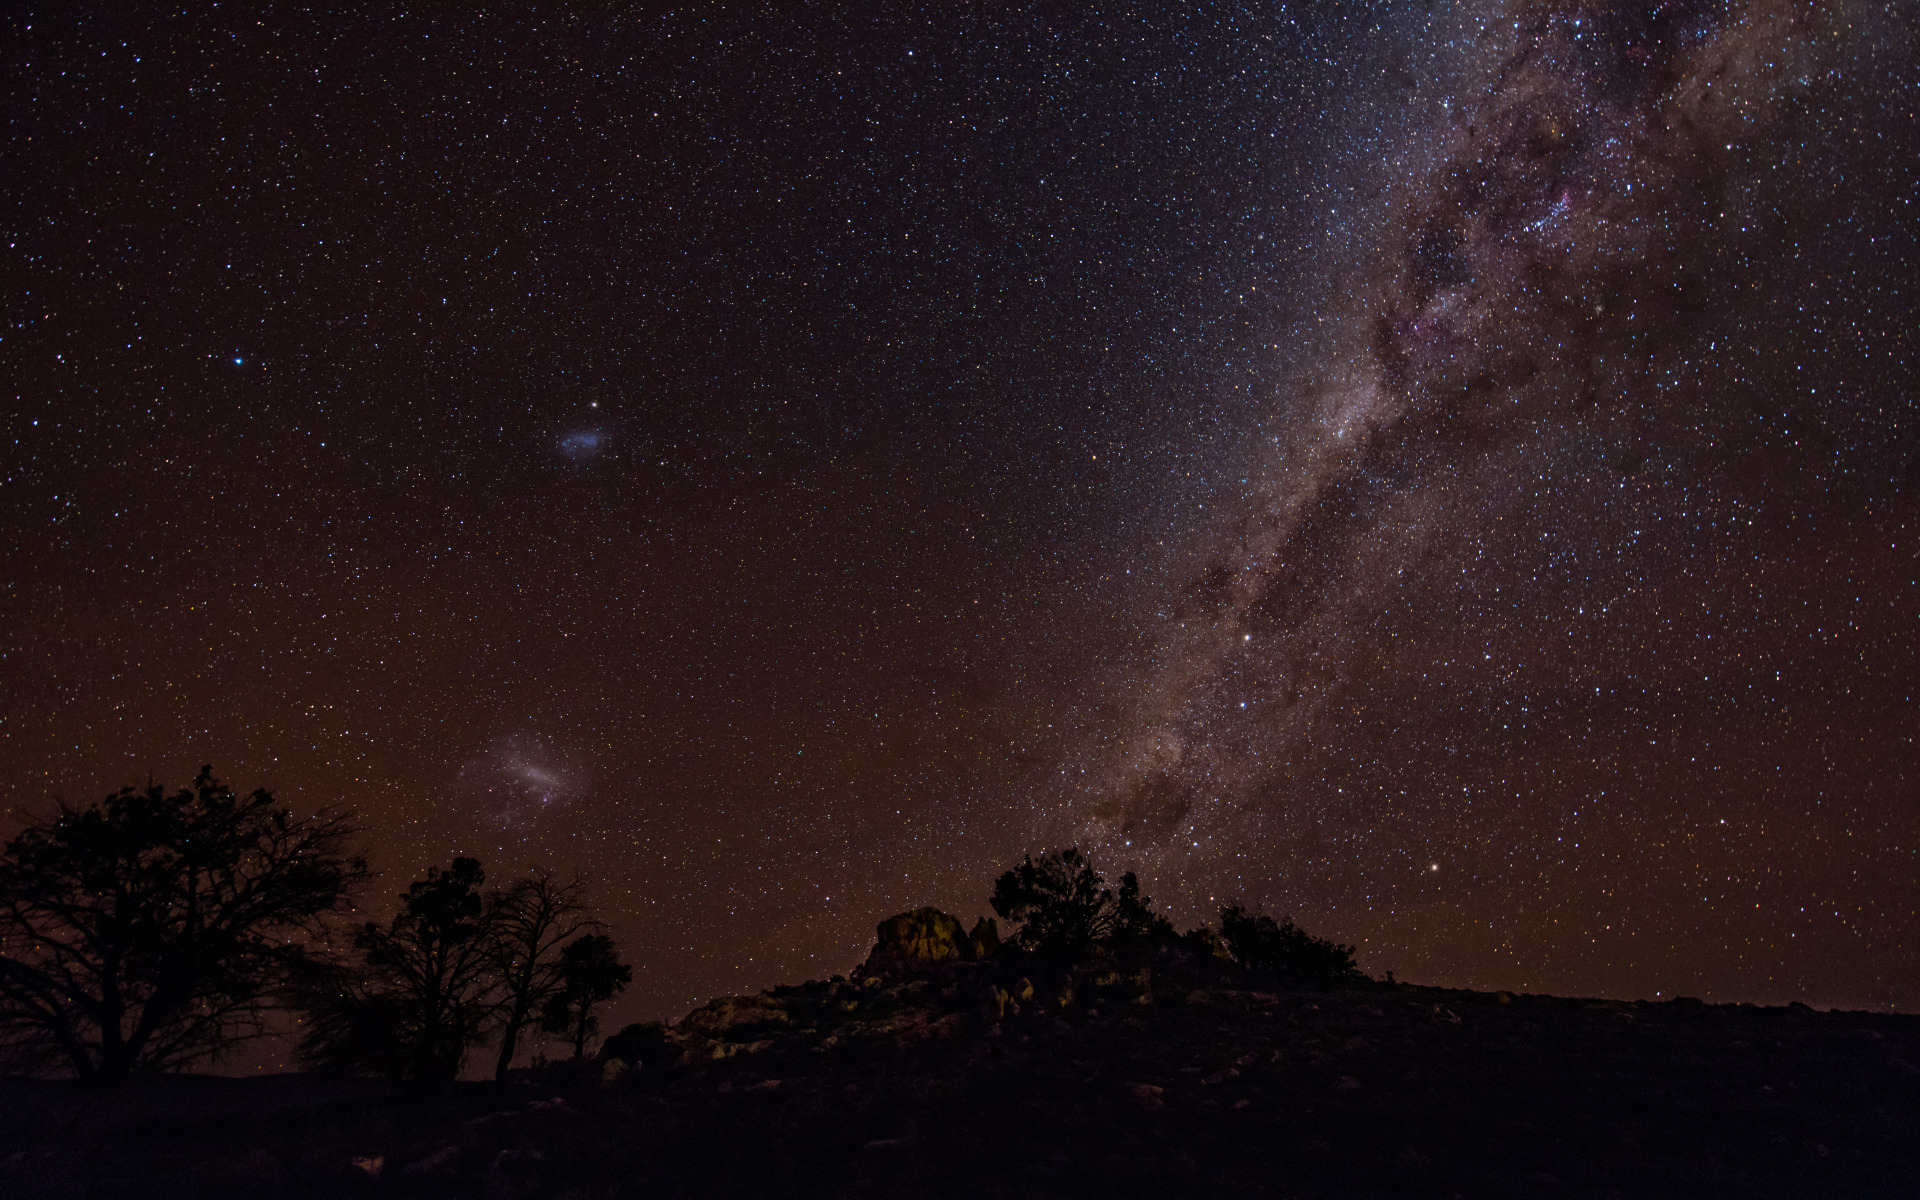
column 532, row 919
column 1291, row 953
column 1134, row 918
column 591, row 974
column 424, row 989
column 1064, row 905
column 152, row 931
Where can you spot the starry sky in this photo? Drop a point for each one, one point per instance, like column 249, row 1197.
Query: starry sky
column 1441, row 471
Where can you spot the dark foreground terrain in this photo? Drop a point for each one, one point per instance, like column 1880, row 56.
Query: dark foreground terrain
column 1112, row 1079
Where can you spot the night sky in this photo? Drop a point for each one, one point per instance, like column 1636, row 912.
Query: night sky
column 1441, row 472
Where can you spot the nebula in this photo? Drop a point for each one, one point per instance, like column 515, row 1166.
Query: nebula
column 1562, row 293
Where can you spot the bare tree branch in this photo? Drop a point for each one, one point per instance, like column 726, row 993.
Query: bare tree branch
column 533, row 919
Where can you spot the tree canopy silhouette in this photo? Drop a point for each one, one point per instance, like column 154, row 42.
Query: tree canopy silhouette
column 423, row 992
column 591, row 974
column 1064, row 905
column 153, row 930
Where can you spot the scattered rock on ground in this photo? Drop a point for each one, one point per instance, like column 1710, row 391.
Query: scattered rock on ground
column 440, row 1164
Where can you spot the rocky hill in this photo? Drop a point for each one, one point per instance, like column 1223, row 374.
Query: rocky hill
column 944, row 1068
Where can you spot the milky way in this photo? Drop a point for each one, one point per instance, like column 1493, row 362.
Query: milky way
column 1558, row 385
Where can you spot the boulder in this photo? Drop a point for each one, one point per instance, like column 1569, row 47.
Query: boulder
column 440, row 1164
column 999, row 1001
column 256, row 1169
column 554, row 1110
column 924, row 935
column 718, row 1017
column 512, row 1174
column 722, row 1028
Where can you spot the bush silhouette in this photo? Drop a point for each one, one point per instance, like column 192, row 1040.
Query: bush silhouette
column 644, row 1044
column 1133, row 916
column 1292, row 954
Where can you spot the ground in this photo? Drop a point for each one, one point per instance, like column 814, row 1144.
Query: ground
column 1168, row 1078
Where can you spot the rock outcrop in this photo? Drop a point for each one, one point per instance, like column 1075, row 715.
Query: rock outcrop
column 927, row 935
column 923, row 935
column 984, row 941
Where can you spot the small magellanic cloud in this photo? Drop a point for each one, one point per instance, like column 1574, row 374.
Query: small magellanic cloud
column 585, row 443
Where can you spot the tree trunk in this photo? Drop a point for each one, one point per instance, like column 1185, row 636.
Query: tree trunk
column 509, row 1043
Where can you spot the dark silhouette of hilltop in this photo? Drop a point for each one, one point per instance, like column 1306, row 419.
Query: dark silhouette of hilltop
column 946, row 1067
